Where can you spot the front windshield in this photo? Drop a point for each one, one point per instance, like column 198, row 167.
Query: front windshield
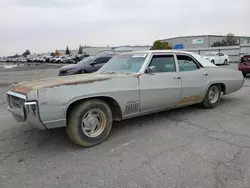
column 209, row 54
column 86, row 60
column 127, row 63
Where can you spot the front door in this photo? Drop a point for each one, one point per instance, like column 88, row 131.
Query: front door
column 194, row 80
column 161, row 87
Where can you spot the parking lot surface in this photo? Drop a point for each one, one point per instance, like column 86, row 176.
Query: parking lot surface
column 187, row 147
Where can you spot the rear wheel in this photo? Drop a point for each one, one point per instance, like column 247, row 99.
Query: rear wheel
column 225, row 62
column 213, row 96
column 89, row 123
column 244, row 74
column 213, row 62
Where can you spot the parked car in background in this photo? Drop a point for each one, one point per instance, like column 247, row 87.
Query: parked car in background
column 217, row 58
column 79, row 57
column 69, row 59
column 21, row 59
column 129, row 85
column 244, row 65
column 87, row 65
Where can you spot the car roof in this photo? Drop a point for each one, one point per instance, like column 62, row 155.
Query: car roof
column 158, row 51
column 202, row 61
column 103, row 55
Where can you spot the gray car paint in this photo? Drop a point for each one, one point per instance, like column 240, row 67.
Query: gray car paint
column 146, row 93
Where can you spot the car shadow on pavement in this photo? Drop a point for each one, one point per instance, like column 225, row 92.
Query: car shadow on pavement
column 56, row 140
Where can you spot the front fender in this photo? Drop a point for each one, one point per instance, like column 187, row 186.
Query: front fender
column 84, row 98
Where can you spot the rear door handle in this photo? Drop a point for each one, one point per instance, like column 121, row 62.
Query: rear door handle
column 205, row 74
column 177, row 77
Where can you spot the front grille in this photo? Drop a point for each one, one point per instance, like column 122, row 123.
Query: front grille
column 16, row 103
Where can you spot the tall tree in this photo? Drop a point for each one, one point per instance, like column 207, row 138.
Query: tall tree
column 230, row 40
column 57, row 52
column 80, row 51
column 160, row 45
column 27, row 52
column 67, row 51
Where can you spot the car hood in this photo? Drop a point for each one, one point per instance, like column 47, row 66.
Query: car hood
column 25, row 87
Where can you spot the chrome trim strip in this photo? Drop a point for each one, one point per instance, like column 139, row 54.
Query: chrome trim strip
column 53, row 121
column 17, row 95
column 29, row 103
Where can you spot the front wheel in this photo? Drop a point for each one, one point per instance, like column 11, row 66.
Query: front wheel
column 213, row 62
column 213, row 96
column 225, row 62
column 89, row 123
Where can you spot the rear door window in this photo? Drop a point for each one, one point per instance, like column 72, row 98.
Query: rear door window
column 186, row 63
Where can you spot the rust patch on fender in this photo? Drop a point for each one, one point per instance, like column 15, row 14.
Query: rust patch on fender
column 189, row 99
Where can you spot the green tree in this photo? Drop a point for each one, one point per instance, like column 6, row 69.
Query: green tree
column 53, row 54
column 160, row 45
column 27, row 52
column 230, row 40
column 80, row 51
column 67, row 51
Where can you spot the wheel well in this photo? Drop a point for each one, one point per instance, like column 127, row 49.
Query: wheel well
column 114, row 106
column 223, row 87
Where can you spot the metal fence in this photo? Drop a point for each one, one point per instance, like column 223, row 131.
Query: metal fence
column 234, row 52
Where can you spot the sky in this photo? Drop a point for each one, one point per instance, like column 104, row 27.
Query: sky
column 46, row 25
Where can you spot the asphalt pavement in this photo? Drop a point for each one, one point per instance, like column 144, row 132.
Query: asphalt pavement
column 182, row 148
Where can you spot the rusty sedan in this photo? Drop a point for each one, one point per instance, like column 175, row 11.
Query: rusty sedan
column 131, row 84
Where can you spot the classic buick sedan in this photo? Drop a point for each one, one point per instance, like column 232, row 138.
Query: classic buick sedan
column 130, row 84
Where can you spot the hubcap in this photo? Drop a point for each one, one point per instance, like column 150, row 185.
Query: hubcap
column 213, row 94
column 93, row 123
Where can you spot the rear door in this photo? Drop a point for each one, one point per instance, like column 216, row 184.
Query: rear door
column 194, row 79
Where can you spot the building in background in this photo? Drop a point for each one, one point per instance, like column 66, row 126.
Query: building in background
column 200, row 41
column 96, row 50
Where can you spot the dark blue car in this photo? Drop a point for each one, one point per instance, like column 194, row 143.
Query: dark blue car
column 87, row 65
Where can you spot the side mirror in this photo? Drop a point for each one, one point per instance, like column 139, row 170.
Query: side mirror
column 151, row 69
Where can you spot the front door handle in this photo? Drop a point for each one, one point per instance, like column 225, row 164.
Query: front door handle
column 177, row 77
column 205, row 74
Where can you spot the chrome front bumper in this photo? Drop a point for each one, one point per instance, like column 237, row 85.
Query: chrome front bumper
column 29, row 114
